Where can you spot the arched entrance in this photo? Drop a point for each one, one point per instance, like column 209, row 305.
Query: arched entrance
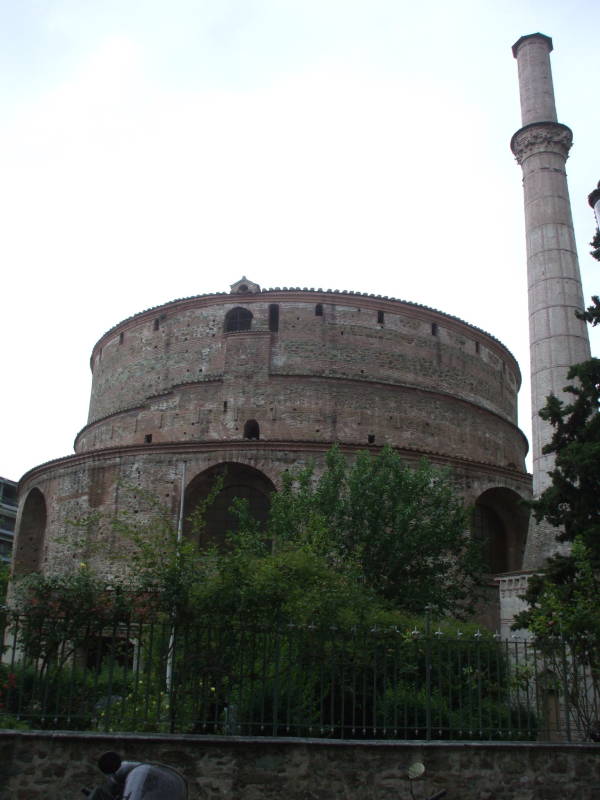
column 30, row 537
column 500, row 522
column 238, row 481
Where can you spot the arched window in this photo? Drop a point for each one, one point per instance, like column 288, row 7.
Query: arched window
column 318, row 310
column 238, row 319
column 500, row 522
column 251, row 429
column 30, row 537
column 238, row 481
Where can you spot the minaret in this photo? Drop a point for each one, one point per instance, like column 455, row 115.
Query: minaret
column 557, row 339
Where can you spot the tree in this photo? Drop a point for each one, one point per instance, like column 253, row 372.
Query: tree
column 163, row 569
column 595, row 243
column 592, row 313
column 564, row 617
column 317, row 617
column 4, row 576
column 572, row 501
column 569, row 609
column 59, row 613
column 399, row 533
column 365, row 538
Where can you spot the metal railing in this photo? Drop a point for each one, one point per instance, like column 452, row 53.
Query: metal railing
column 310, row 681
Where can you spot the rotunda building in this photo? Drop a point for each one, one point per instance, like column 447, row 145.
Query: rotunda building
column 250, row 383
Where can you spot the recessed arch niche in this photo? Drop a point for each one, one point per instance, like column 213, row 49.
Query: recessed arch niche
column 238, row 480
column 30, row 536
column 500, row 522
column 238, row 319
column 251, row 429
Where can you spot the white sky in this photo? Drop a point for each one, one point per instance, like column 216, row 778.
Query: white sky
column 153, row 150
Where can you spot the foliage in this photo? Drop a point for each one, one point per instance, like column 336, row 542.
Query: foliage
column 377, row 527
column 164, row 568
column 4, row 577
column 564, row 616
column 375, row 682
column 349, row 547
column 8, row 685
column 592, row 313
column 318, row 680
column 139, row 710
column 595, row 243
column 59, row 612
column 572, row 501
column 66, row 696
column 569, row 609
column 291, row 584
column 356, row 549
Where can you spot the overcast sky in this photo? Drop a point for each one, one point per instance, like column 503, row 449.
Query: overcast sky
column 153, row 150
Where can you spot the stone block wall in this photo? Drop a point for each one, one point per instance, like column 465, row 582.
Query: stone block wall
column 315, row 409
column 104, row 482
column 185, row 343
column 177, row 384
column 55, row 766
column 361, row 371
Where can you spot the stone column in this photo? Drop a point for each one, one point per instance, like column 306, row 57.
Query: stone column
column 557, row 338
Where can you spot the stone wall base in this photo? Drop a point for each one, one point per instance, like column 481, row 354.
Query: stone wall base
column 56, row 765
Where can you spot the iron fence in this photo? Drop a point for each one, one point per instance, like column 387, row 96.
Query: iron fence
column 290, row 680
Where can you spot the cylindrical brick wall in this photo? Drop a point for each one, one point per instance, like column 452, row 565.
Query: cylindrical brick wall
column 361, row 371
column 176, row 385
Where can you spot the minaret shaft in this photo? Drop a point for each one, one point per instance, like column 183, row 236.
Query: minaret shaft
column 557, row 338
column 535, row 78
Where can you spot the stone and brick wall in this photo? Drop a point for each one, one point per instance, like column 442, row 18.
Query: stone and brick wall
column 104, row 481
column 172, row 385
column 55, row 766
column 158, row 355
column 315, row 409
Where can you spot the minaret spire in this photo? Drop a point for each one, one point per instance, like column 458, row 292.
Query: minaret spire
column 557, row 339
